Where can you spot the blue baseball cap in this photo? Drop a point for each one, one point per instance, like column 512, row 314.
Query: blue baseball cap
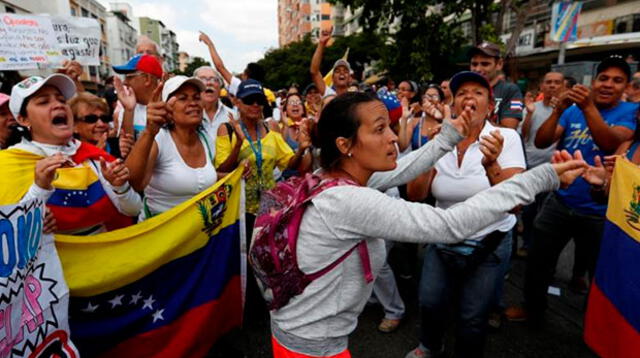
column 249, row 87
column 143, row 63
column 463, row 77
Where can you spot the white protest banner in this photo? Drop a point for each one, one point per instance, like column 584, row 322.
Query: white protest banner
column 34, row 297
column 26, row 42
column 78, row 38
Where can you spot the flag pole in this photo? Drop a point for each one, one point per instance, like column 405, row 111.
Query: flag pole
column 562, row 52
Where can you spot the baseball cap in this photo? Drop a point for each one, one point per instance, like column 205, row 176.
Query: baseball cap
column 143, row 63
column 614, row 61
column 174, row 83
column 30, row 85
column 342, row 62
column 463, row 77
column 4, row 99
column 487, row 49
column 249, row 87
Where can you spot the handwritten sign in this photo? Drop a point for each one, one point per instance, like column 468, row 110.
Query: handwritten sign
column 34, row 297
column 78, row 38
column 26, row 42
column 30, row 41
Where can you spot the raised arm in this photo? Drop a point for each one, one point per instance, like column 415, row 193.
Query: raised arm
column 550, row 131
column 316, row 60
column 421, row 160
column 215, row 57
column 367, row 212
column 144, row 153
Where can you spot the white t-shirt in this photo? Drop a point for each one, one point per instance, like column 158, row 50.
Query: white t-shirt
column 453, row 184
column 535, row 155
column 211, row 125
column 139, row 118
column 234, row 84
column 173, row 181
column 328, row 91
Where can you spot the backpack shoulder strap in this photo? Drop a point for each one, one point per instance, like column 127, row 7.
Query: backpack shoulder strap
column 363, row 252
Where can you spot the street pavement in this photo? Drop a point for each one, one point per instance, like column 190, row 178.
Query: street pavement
column 560, row 336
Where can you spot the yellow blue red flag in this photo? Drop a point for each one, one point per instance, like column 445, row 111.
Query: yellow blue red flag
column 612, row 322
column 167, row 287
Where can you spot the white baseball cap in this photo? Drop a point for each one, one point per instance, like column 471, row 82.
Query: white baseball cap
column 175, row 82
column 30, row 85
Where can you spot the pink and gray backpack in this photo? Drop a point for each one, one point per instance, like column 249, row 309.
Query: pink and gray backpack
column 273, row 245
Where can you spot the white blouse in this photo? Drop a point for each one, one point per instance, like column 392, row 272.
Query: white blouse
column 173, row 181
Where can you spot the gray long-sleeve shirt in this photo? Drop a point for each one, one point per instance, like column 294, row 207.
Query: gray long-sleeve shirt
column 318, row 321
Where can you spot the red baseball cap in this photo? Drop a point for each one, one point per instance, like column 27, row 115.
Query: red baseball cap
column 143, row 63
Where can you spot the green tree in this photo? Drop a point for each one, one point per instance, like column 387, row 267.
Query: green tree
column 290, row 64
column 425, row 35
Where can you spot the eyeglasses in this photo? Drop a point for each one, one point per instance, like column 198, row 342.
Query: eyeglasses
column 294, row 102
column 92, row 118
column 253, row 99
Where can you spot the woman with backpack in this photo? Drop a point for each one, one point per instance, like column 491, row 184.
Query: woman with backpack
column 313, row 314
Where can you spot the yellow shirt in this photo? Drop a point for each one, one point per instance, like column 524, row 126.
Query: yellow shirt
column 275, row 152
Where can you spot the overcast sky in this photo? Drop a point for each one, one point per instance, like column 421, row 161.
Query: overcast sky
column 242, row 30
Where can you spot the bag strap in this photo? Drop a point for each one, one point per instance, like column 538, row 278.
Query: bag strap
column 230, row 130
column 363, row 252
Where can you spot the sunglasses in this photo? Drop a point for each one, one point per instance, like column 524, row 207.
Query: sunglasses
column 92, row 118
column 254, row 99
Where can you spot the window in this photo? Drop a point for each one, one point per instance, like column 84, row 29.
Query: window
column 74, row 12
column 93, row 70
column 636, row 23
column 326, row 17
column 10, row 10
column 85, row 13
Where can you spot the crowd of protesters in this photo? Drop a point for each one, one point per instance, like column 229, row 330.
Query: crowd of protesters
column 459, row 163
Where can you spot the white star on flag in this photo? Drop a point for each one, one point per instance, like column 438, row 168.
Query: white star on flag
column 135, row 298
column 158, row 315
column 90, row 308
column 148, row 303
column 116, row 301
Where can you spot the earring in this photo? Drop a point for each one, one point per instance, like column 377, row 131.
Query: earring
column 349, row 154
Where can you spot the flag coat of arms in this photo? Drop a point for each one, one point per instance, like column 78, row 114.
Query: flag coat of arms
column 612, row 321
column 167, row 287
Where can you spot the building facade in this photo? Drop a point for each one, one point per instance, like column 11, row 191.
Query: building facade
column 122, row 37
column 164, row 37
column 296, row 18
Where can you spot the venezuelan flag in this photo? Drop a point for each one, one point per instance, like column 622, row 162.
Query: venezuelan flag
column 612, row 321
column 167, row 287
column 79, row 201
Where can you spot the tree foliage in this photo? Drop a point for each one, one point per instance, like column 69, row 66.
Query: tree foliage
column 290, row 64
column 426, row 36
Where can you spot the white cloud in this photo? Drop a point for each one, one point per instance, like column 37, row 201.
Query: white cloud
column 241, row 29
column 245, row 20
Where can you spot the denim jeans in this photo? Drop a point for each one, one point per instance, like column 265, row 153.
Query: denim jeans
column 529, row 214
column 555, row 225
column 472, row 292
